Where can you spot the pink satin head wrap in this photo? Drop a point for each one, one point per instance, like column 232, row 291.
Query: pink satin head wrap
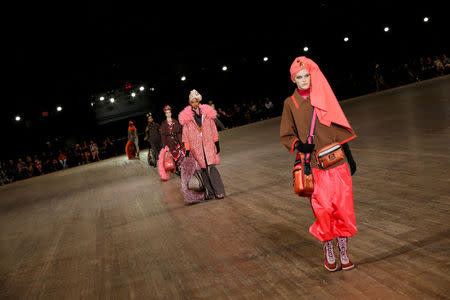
column 321, row 94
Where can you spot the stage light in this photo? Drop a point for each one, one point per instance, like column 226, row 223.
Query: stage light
column 92, row 103
column 152, row 89
column 59, row 108
column 183, row 78
column 102, row 98
column 346, row 39
column 17, row 118
column 426, row 19
column 386, row 29
column 265, row 58
column 224, row 68
column 133, row 94
column 111, row 100
column 141, row 88
column 306, row 49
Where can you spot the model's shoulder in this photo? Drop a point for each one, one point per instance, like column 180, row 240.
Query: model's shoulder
column 288, row 101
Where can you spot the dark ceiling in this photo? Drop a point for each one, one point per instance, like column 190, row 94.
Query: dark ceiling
column 66, row 54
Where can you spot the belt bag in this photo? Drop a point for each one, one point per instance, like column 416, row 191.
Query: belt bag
column 329, row 155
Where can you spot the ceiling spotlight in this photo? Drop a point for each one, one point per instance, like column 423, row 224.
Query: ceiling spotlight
column 102, row 98
column 426, row 19
column 133, row 94
column 265, row 58
column 386, row 29
column 346, row 39
column 183, row 78
column 152, row 89
column 141, row 88
column 92, row 103
column 59, row 108
column 111, row 100
column 306, row 49
column 17, row 118
column 224, row 68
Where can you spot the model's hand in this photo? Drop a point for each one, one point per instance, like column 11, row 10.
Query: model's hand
column 217, row 146
column 304, row 148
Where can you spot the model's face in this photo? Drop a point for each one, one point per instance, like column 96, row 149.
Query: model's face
column 303, row 80
column 194, row 103
column 150, row 119
column 168, row 114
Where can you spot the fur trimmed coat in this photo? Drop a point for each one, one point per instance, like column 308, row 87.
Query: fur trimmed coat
column 197, row 138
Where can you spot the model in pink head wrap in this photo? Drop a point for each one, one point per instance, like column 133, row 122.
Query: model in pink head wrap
column 332, row 199
column 321, row 94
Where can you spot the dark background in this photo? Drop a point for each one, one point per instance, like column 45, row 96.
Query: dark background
column 71, row 55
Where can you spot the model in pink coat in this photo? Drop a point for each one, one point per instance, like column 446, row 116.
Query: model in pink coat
column 201, row 140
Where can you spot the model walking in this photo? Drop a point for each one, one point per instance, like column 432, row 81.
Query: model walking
column 153, row 137
column 171, row 142
column 133, row 141
column 201, row 140
column 332, row 200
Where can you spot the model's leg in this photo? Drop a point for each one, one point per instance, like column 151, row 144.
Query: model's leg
column 216, row 182
column 322, row 205
column 344, row 213
column 136, row 143
column 207, row 183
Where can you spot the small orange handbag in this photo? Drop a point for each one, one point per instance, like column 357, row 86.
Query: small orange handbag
column 303, row 183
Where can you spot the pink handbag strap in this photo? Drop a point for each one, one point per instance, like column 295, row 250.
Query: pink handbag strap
column 311, row 132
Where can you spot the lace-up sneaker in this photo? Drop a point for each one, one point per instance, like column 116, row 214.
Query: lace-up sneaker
column 330, row 259
column 346, row 263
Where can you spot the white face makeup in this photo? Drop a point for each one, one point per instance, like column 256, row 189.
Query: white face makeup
column 194, row 102
column 168, row 114
column 303, row 79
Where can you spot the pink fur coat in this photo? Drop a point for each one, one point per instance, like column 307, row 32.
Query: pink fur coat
column 193, row 136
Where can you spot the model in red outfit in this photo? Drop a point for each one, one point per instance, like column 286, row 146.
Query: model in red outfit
column 332, row 200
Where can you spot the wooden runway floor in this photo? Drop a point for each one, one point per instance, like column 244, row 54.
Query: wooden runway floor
column 113, row 230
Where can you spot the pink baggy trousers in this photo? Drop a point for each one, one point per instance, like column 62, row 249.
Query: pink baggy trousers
column 332, row 203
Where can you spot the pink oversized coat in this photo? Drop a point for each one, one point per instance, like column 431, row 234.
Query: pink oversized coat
column 193, row 136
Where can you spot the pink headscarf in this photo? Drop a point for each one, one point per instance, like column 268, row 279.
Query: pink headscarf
column 322, row 96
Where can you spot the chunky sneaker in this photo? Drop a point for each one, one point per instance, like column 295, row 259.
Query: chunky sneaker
column 346, row 263
column 330, row 259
